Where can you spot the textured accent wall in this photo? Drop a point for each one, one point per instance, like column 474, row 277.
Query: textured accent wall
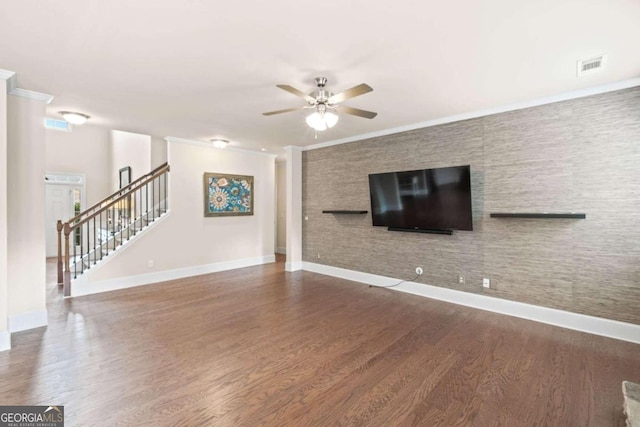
column 581, row 155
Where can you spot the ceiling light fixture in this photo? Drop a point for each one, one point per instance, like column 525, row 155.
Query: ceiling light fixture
column 74, row 118
column 219, row 143
column 321, row 119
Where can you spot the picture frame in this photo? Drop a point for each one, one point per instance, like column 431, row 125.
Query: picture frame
column 227, row 195
column 125, row 176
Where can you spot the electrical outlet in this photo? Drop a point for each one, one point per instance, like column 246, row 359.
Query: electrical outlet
column 419, row 271
column 150, row 263
column 318, row 256
column 486, row 283
column 306, row 218
column 461, row 280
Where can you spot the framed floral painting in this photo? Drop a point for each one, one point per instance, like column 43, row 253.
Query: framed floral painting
column 227, row 195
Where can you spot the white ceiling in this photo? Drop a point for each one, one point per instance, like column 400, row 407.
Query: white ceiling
column 200, row 69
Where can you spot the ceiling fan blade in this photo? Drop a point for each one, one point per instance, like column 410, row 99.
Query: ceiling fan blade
column 296, row 92
column 361, row 89
column 357, row 112
column 286, row 110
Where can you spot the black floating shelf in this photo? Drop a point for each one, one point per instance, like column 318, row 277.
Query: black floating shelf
column 422, row 230
column 541, row 215
column 346, row 212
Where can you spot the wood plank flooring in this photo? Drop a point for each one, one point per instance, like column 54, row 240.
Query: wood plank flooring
column 259, row 346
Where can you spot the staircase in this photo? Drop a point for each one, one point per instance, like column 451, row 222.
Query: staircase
column 100, row 230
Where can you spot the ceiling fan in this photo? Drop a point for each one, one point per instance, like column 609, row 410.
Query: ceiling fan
column 325, row 104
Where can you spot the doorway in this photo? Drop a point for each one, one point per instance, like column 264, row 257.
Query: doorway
column 64, row 199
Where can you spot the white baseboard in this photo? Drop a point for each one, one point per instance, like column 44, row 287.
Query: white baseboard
column 30, row 320
column 281, row 250
column 5, row 340
column 83, row 285
column 565, row 319
column 293, row 266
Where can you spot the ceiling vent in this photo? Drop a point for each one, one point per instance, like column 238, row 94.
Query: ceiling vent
column 591, row 65
column 55, row 124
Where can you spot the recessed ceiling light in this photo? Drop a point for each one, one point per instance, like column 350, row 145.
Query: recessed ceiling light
column 219, row 143
column 263, row 149
column 74, row 118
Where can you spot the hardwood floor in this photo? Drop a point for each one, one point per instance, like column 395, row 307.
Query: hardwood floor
column 259, row 346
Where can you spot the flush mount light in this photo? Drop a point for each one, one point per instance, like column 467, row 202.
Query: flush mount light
column 74, row 118
column 219, row 143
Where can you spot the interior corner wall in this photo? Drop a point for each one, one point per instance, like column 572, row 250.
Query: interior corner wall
column 294, row 212
column 86, row 150
column 26, row 204
column 129, row 149
column 158, row 151
column 186, row 239
column 3, row 208
column 281, row 207
column 580, row 155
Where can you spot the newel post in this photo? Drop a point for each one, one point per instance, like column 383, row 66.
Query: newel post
column 60, row 278
column 67, row 269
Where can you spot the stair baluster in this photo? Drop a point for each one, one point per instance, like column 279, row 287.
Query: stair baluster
column 122, row 215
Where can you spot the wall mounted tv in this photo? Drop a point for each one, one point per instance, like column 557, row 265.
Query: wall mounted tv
column 428, row 199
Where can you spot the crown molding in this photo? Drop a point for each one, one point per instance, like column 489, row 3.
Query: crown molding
column 566, row 96
column 13, row 89
column 12, row 83
column 30, row 94
column 6, row 74
column 294, row 148
column 210, row 145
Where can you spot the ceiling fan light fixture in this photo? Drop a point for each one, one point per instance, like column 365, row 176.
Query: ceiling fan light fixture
column 316, row 121
column 330, row 119
column 321, row 120
column 324, row 104
column 219, row 143
column 74, row 118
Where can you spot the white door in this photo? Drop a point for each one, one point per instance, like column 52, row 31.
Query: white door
column 59, row 206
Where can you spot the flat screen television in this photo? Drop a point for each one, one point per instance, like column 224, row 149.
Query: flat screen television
column 429, row 199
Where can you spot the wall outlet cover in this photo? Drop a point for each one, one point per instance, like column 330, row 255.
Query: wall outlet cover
column 486, row 283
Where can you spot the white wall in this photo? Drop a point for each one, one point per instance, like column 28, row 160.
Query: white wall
column 129, row 149
column 99, row 154
column 185, row 238
column 158, row 151
column 281, row 207
column 4, row 336
column 26, row 234
column 84, row 151
column 294, row 208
